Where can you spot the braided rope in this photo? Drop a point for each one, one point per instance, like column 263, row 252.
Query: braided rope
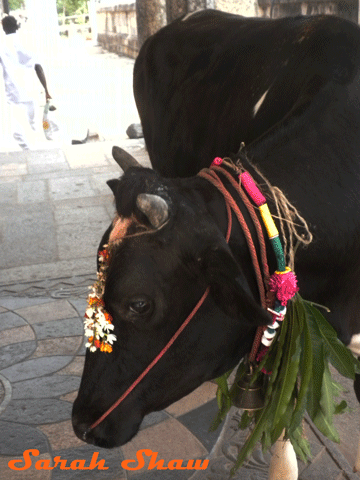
column 213, row 178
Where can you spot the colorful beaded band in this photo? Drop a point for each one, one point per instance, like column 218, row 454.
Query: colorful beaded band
column 283, row 282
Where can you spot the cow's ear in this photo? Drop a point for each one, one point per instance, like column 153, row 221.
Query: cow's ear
column 229, row 287
column 113, row 184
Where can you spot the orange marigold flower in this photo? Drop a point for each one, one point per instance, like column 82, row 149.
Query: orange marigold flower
column 97, row 344
column 106, row 348
column 105, row 254
column 108, row 317
column 99, row 302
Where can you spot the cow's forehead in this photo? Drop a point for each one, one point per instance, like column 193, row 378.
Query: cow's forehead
column 145, row 251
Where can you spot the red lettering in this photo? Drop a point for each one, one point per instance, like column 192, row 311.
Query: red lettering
column 99, row 465
column 139, row 458
column 176, row 465
column 27, row 459
column 154, row 464
column 78, row 465
column 58, row 460
column 197, row 466
column 43, row 465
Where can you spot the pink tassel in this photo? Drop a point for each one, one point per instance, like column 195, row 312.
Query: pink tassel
column 284, row 285
column 217, row 161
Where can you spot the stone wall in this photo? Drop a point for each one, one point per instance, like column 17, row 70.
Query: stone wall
column 347, row 9
column 248, row 8
column 117, row 30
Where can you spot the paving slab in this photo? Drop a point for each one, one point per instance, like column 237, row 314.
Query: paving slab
column 33, row 191
column 17, row 335
column 59, row 328
column 199, row 421
column 16, row 438
column 58, row 346
column 35, row 368
column 28, row 236
column 10, row 320
column 47, row 312
column 12, row 354
column 44, row 387
column 39, row 411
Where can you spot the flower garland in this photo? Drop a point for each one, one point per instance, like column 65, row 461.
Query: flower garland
column 98, row 322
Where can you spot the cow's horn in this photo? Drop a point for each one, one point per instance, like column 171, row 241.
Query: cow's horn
column 154, row 207
column 124, row 159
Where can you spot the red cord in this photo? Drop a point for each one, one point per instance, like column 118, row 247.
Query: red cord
column 230, row 203
column 154, row 362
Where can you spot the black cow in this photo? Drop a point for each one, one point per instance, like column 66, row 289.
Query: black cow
column 205, row 85
column 200, row 88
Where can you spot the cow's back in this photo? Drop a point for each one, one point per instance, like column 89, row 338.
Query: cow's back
column 206, row 84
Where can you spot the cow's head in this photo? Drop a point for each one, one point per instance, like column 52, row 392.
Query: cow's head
column 171, row 252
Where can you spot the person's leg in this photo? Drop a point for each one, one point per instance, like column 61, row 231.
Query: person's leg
column 30, row 109
column 19, row 119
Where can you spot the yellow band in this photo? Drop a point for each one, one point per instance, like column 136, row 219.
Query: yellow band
column 287, row 270
column 268, row 221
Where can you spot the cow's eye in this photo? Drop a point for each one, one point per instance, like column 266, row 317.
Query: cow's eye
column 140, row 306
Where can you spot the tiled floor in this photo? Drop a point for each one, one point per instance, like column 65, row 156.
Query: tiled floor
column 41, row 360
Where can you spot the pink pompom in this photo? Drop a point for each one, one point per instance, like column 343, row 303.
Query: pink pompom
column 217, row 161
column 284, row 285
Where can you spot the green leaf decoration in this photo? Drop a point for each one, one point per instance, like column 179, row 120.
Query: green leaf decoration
column 223, row 400
column 300, row 381
column 245, row 421
column 300, row 444
column 288, row 372
column 342, row 359
column 305, row 367
column 341, row 408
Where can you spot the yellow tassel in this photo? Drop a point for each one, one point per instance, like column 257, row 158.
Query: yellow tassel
column 270, row 226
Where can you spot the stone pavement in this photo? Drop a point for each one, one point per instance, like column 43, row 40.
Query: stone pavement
column 54, row 207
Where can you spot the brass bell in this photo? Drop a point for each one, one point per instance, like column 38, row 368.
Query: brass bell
column 249, row 396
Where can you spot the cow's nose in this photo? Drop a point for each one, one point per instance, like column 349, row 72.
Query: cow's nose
column 81, row 430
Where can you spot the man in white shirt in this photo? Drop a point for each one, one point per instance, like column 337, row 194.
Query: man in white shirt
column 18, row 67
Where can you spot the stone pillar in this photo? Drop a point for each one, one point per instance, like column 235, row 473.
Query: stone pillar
column 150, row 17
column 176, row 9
